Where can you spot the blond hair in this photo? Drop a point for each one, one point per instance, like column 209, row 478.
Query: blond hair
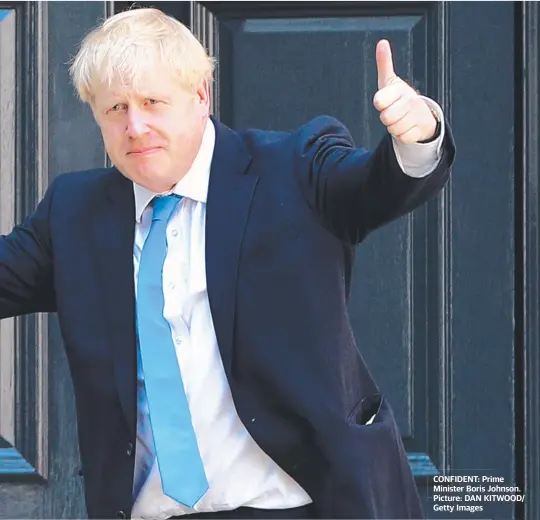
column 132, row 44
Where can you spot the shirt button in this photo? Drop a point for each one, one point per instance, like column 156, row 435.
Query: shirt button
column 172, row 285
column 178, row 340
column 129, row 449
column 174, row 232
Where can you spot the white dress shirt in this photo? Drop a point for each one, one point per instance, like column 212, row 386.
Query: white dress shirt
column 239, row 473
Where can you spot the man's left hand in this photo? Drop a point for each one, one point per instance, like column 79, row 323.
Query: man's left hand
column 404, row 113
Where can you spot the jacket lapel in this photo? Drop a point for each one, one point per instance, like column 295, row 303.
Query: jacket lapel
column 230, row 193
column 114, row 228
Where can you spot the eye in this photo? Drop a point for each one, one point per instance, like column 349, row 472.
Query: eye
column 152, row 101
column 118, row 107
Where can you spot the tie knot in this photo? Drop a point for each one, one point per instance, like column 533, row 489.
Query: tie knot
column 164, row 206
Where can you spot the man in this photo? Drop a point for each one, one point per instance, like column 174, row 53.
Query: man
column 200, row 286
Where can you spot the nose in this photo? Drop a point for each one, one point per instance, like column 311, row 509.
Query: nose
column 136, row 124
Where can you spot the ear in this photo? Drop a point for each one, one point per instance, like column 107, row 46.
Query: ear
column 203, row 96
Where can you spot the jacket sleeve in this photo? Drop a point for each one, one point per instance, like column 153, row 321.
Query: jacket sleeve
column 26, row 273
column 354, row 191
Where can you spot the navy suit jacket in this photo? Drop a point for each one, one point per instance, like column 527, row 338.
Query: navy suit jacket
column 284, row 214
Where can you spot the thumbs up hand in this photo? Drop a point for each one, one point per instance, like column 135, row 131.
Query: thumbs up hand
column 404, row 113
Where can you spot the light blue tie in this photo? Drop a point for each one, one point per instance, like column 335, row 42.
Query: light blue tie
column 180, row 464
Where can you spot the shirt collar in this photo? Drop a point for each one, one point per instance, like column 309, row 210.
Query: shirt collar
column 194, row 185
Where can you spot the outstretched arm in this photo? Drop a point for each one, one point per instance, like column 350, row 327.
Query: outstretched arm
column 355, row 191
column 26, row 273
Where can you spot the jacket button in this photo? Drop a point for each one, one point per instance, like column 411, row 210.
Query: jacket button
column 120, row 514
column 129, row 449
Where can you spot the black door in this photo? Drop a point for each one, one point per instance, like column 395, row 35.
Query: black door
column 432, row 301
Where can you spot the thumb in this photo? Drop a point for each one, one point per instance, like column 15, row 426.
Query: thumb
column 385, row 64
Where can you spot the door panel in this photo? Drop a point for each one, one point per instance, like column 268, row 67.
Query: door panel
column 284, row 71
column 481, row 238
column 44, row 130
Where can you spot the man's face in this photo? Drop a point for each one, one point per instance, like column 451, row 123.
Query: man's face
column 152, row 135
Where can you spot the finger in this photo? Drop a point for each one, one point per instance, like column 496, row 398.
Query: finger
column 403, row 126
column 411, row 136
column 385, row 64
column 389, row 95
column 396, row 111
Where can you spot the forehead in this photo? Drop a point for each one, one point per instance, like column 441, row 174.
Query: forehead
column 157, row 84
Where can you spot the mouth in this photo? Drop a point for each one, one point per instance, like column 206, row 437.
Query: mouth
column 144, row 151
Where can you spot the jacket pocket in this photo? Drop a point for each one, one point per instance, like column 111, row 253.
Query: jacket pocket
column 366, row 411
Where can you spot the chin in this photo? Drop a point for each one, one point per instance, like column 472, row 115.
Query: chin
column 155, row 184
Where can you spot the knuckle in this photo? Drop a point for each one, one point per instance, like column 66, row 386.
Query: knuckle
column 392, row 129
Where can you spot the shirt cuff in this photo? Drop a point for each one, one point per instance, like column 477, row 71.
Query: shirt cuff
column 421, row 159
